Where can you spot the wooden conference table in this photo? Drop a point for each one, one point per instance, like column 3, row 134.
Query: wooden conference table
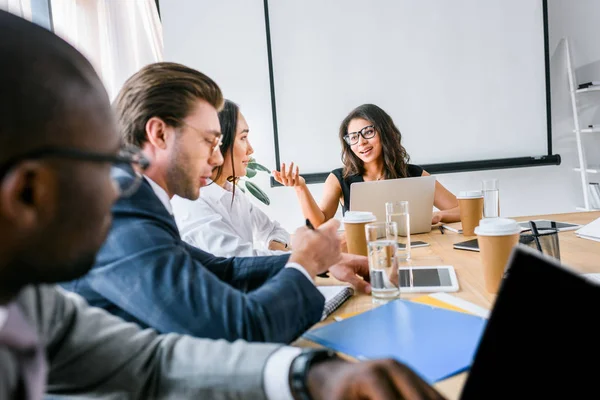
column 580, row 254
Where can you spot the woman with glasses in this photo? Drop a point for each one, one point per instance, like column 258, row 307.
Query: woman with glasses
column 371, row 151
column 222, row 220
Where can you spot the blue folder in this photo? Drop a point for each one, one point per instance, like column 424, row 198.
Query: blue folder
column 434, row 342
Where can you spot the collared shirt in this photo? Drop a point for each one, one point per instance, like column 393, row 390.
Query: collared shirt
column 226, row 224
column 3, row 315
column 161, row 194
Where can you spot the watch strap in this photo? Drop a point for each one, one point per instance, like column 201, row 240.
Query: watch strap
column 300, row 367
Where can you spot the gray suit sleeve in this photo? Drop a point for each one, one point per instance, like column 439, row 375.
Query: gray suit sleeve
column 91, row 352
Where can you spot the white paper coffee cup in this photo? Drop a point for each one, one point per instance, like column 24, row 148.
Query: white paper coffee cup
column 496, row 238
column 471, row 210
column 354, row 224
column 470, row 194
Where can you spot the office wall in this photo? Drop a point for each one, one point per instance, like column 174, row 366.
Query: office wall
column 196, row 34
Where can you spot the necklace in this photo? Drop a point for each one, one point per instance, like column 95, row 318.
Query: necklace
column 380, row 177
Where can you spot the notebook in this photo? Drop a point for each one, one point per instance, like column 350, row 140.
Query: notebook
column 335, row 296
column 590, row 231
column 435, row 342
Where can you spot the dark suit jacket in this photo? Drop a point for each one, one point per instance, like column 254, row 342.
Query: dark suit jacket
column 146, row 274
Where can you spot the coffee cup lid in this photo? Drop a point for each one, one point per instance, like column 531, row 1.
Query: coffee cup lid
column 497, row 227
column 357, row 217
column 470, row 194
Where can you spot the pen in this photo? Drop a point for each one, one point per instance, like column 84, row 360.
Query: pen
column 441, row 229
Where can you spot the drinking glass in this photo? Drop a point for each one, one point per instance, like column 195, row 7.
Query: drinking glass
column 397, row 212
column 542, row 239
column 382, row 244
column 491, row 198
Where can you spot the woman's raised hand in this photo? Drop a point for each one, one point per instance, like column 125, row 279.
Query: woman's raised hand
column 289, row 176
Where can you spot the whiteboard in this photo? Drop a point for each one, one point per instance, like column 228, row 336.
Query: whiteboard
column 464, row 80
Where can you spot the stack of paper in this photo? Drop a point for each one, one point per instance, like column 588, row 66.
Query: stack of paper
column 439, row 299
column 449, row 302
column 590, row 231
column 594, row 190
column 593, row 277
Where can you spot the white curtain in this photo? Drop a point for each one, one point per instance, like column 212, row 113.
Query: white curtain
column 117, row 36
column 22, row 8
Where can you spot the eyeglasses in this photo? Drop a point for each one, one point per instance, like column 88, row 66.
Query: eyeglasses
column 127, row 158
column 367, row 133
column 214, row 143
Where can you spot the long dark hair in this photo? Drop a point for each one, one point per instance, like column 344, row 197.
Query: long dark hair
column 395, row 157
column 228, row 117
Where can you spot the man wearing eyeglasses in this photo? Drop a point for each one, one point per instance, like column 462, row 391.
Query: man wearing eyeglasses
column 146, row 274
column 57, row 145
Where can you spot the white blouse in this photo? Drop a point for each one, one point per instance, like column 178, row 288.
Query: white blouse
column 224, row 228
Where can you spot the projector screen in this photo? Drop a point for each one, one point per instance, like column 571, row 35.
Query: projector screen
column 464, row 80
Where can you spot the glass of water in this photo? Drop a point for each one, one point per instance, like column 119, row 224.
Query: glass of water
column 491, row 198
column 382, row 244
column 397, row 211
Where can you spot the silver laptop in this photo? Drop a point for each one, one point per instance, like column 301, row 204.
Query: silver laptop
column 419, row 191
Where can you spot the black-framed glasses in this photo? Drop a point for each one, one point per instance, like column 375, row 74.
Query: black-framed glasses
column 367, row 132
column 214, row 144
column 129, row 156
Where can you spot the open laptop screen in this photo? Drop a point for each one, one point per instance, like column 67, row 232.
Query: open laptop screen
column 543, row 336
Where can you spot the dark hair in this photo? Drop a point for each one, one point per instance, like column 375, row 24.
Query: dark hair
column 228, row 117
column 395, row 157
column 47, row 89
column 164, row 90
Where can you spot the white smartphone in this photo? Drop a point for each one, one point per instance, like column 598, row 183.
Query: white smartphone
column 428, row 279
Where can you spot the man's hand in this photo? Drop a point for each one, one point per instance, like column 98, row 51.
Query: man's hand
column 349, row 267
column 343, row 242
column 316, row 250
column 436, row 218
column 370, row 380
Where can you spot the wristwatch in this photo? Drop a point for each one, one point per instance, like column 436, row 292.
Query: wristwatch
column 280, row 242
column 300, row 367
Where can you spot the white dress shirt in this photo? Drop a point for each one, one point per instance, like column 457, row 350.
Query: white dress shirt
column 276, row 373
column 225, row 224
column 161, row 193
column 3, row 316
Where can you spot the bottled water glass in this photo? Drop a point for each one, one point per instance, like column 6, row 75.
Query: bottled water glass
column 383, row 266
column 491, row 198
column 397, row 212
